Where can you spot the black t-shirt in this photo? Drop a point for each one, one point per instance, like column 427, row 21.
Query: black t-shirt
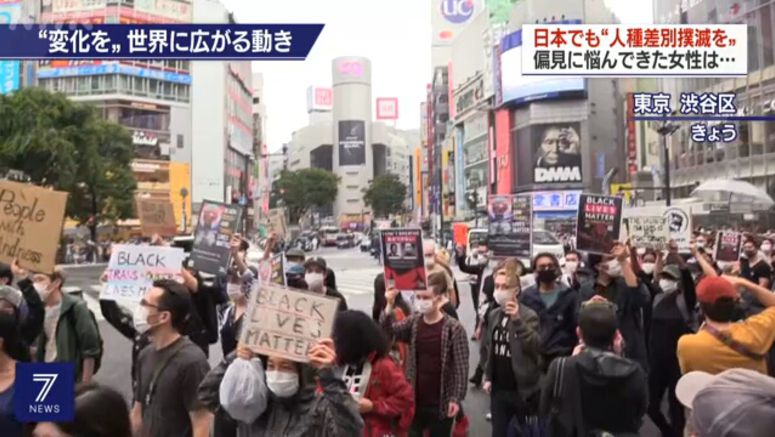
column 502, row 373
column 759, row 270
column 175, row 396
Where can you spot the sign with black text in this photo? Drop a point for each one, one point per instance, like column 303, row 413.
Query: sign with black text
column 215, row 227
column 728, row 246
column 132, row 270
column 649, row 232
column 599, row 223
column 286, row 323
column 402, row 254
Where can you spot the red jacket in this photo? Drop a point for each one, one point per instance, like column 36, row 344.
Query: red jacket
column 393, row 400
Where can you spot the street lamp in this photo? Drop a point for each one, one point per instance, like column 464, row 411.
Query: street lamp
column 665, row 129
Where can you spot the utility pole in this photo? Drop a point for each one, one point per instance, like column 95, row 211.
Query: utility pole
column 666, row 129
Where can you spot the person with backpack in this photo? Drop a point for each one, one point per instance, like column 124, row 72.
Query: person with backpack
column 70, row 330
column 596, row 391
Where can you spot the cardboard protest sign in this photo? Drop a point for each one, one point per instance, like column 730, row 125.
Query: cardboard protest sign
column 599, row 223
column 31, row 220
column 277, row 222
column 648, row 231
column 286, row 323
column 728, row 246
column 402, row 256
column 156, row 217
column 132, row 270
column 215, row 227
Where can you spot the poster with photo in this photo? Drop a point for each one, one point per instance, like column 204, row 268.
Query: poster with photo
column 728, row 246
column 352, row 142
column 557, row 154
column 598, row 223
column 402, row 256
column 509, row 231
column 215, row 227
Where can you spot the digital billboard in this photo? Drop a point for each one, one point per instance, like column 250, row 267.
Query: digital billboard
column 516, row 88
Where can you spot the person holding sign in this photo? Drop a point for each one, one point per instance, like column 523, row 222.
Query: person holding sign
column 282, row 402
column 513, row 350
column 437, row 364
column 617, row 282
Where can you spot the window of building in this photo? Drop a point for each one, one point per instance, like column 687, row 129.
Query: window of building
column 180, row 141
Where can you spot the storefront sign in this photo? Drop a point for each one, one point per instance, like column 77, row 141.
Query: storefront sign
column 387, row 108
column 351, row 68
column 76, row 5
column 632, row 152
column 140, row 138
column 469, row 96
column 556, row 200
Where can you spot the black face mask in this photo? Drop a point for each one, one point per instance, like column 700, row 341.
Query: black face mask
column 547, row 276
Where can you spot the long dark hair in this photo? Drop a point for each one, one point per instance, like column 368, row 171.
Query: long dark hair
column 9, row 332
column 92, row 401
column 356, row 337
column 380, row 302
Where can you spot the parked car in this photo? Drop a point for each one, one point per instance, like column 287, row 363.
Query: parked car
column 365, row 243
column 345, row 241
column 546, row 242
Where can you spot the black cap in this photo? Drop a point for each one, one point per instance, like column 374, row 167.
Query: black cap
column 315, row 261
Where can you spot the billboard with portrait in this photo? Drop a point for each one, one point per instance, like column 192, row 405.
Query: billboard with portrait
column 352, row 142
column 549, row 153
column 516, row 88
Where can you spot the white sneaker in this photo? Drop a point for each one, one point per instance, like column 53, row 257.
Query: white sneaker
column 488, row 416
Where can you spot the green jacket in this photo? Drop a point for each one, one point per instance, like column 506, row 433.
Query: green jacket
column 77, row 336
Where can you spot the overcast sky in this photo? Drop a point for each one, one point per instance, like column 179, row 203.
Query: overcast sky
column 394, row 34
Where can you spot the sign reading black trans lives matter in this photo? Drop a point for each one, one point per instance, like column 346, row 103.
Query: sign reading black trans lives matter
column 352, row 142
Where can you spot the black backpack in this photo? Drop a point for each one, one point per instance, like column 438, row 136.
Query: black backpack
column 98, row 358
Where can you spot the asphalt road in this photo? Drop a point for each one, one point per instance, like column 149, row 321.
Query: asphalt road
column 355, row 272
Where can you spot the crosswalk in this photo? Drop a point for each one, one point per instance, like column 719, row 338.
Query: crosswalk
column 356, row 281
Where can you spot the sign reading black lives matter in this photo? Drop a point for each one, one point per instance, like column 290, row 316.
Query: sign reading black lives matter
column 217, row 223
column 352, row 142
column 286, row 323
column 728, row 246
column 599, row 223
column 557, row 153
column 31, row 220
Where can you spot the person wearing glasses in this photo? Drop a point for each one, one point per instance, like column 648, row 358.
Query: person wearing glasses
column 512, row 347
column 170, row 369
column 556, row 305
column 597, row 391
column 616, row 281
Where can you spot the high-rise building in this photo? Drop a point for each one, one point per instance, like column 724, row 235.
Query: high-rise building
column 263, row 183
column 343, row 138
column 222, row 114
column 150, row 98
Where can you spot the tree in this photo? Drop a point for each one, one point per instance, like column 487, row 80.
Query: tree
column 303, row 189
column 386, row 195
column 67, row 146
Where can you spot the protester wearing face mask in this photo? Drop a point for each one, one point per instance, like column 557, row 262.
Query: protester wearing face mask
column 170, row 369
column 574, row 273
column 513, row 344
column 69, row 331
column 437, row 360
column 314, row 277
column 672, row 315
column 283, row 402
column 616, row 282
column 432, row 266
column 755, row 267
column 477, row 268
column 556, row 306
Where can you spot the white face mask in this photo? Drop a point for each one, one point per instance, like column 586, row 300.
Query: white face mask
column 700, row 244
column 668, row 285
column 614, row 268
column 234, row 291
column 140, row 319
column 571, row 266
column 766, row 248
column 282, row 384
column 424, row 306
column 648, row 268
column 503, row 296
column 641, row 251
column 314, row 280
column 43, row 290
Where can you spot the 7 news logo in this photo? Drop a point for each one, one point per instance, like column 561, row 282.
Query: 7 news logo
column 44, row 392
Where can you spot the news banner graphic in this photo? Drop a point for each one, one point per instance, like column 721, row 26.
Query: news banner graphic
column 159, row 41
column 45, row 392
column 609, row 50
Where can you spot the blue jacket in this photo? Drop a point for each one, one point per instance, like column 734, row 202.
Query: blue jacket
column 558, row 322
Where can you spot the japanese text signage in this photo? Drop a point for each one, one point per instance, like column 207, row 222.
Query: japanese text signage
column 469, row 96
column 159, row 41
column 709, row 50
column 387, row 108
column 132, row 270
column 286, row 323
